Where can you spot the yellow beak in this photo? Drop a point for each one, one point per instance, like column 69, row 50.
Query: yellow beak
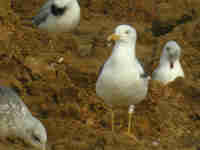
column 113, row 37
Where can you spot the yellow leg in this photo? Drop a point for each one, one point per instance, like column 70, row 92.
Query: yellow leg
column 113, row 120
column 131, row 110
column 129, row 122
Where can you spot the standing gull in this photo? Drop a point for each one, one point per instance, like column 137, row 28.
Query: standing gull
column 58, row 16
column 169, row 68
column 16, row 121
column 122, row 81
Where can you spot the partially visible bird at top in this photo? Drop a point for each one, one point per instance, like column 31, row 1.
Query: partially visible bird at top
column 169, row 67
column 122, row 80
column 58, row 16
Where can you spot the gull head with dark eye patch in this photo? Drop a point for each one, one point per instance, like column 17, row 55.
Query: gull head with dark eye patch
column 123, row 33
column 172, row 51
column 59, row 7
column 58, row 16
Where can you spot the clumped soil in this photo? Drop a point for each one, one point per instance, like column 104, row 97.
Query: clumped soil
column 55, row 75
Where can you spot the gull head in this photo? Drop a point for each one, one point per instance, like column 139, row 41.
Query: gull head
column 59, row 7
column 123, row 34
column 172, row 52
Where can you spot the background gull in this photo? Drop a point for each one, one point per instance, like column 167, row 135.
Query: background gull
column 169, row 67
column 122, row 80
column 16, row 121
column 58, row 16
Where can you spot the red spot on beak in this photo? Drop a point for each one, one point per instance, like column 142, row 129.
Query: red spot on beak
column 171, row 65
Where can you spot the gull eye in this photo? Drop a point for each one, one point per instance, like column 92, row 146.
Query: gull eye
column 167, row 48
column 56, row 11
column 127, row 31
column 37, row 139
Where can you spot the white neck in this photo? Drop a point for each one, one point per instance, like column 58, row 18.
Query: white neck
column 123, row 52
column 125, row 48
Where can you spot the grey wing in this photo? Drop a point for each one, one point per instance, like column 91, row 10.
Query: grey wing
column 140, row 66
column 43, row 14
column 143, row 74
column 100, row 70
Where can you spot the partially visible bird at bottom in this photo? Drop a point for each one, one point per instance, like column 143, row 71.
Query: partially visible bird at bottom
column 169, row 67
column 122, row 80
column 16, row 121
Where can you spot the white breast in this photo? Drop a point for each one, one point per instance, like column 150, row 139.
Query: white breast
column 165, row 74
column 121, row 85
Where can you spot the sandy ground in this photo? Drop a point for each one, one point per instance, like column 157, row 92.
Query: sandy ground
column 62, row 93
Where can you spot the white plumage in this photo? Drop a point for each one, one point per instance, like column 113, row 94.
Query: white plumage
column 122, row 81
column 169, row 67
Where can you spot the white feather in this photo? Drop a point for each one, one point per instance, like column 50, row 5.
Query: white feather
column 163, row 72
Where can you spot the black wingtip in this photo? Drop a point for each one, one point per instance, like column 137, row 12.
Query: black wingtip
column 145, row 75
column 100, row 69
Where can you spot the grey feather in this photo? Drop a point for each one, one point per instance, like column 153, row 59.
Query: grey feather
column 9, row 98
column 144, row 75
column 100, row 69
column 140, row 62
column 43, row 13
